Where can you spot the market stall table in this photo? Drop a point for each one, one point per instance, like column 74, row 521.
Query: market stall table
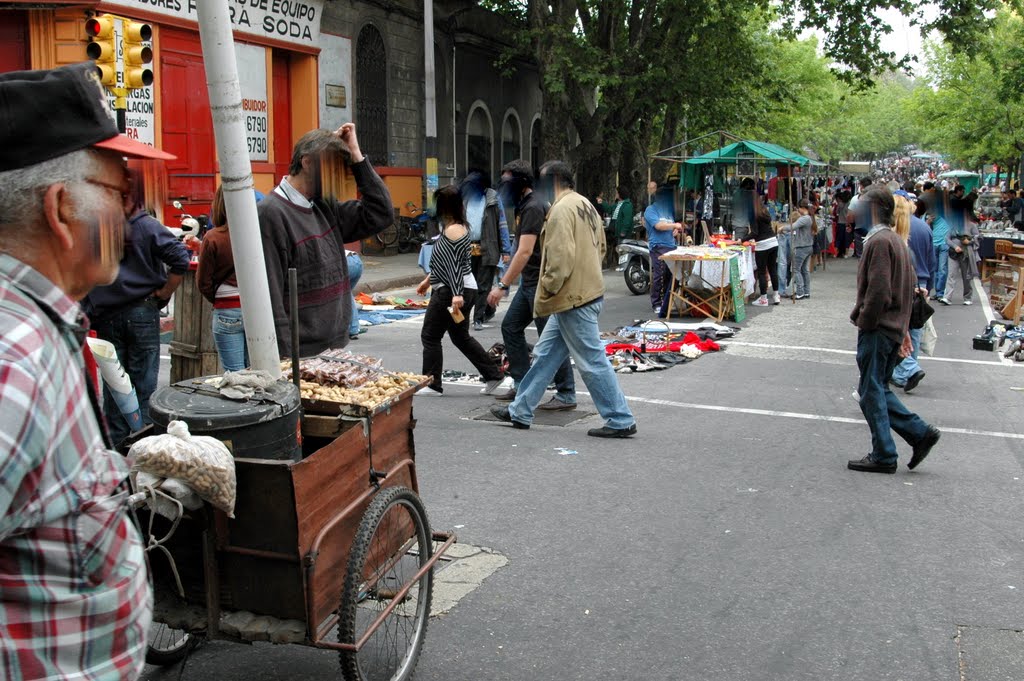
column 701, row 284
column 987, row 242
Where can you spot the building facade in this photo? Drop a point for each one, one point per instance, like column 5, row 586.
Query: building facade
column 305, row 64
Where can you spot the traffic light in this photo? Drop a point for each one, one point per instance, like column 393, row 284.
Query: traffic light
column 137, row 56
column 102, row 47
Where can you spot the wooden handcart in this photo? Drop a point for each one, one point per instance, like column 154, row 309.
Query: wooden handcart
column 332, row 551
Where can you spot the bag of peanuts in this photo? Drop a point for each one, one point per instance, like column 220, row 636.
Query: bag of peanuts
column 203, row 463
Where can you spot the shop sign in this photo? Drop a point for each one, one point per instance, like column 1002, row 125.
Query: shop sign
column 252, row 78
column 291, row 21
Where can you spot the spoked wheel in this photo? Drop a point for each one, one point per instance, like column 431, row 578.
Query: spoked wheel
column 391, row 546
column 166, row 646
column 638, row 277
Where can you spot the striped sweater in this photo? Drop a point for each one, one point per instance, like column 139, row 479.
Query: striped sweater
column 450, row 263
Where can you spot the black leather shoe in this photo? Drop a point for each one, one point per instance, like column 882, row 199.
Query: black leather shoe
column 913, row 381
column 605, row 431
column 502, row 414
column 869, row 465
column 922, row 448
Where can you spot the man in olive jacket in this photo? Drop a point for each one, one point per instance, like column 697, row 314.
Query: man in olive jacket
column 571, row 291
column 885, row 291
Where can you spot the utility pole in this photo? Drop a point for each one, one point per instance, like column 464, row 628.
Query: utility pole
column 430, row 101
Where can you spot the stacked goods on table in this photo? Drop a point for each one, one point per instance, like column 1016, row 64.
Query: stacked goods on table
column 337, row 378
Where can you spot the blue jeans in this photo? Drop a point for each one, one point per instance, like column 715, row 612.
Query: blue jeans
column 783, row 265
column 135, row 333
column 573, row 333
column 355, row 270
column 877, row 357
column 513, row 332
column 941, row 268
column 229, row 337
column 801, row 270
column 909, row 366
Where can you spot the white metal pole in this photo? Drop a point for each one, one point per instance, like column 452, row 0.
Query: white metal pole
column 236, row 177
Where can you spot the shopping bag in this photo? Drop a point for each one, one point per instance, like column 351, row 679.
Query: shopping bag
column 928, row 338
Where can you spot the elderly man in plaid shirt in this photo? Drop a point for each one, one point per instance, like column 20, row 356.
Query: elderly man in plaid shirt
column 74, row 596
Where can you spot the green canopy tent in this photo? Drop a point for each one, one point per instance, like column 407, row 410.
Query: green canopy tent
column 969, row 180
column 758, row 153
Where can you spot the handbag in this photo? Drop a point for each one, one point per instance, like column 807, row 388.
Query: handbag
column 920, row 311
column 928, row 338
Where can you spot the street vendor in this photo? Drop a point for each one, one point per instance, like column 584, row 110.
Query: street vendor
column 304, row 226
column 74, row 596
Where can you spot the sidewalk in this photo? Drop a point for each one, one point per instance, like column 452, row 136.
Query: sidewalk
column 380, row 273
column 383, row 273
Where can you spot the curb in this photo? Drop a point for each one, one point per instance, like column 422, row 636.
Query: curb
column 381, row 285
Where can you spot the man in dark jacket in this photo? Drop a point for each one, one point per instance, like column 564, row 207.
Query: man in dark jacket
column 302, row 226
column 885, row 293
column 484, row 219
column 127, row 312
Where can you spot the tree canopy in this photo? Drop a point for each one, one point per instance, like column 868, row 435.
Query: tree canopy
column 624, row 78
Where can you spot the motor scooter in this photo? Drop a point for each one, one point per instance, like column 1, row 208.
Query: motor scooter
column 188, row 226
column 635, row 264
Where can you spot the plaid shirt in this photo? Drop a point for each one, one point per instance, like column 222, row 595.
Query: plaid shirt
column 74, row 597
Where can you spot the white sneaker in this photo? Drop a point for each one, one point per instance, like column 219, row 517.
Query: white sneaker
column 492, row 387
column 427, row 390
column 776, row 298
column 967, row 302
column 944, row 300
column 762, row 301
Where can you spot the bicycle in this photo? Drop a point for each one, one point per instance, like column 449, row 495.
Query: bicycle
column 412, row 231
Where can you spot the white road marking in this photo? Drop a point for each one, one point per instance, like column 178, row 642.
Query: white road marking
column 990, row 315
column 802, row 416
column 920, row 358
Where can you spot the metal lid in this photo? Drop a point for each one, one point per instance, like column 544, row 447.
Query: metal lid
column 205, row 409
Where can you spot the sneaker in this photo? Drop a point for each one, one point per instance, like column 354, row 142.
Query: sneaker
column 491, row 386
column 427, row 390
column 944, row 300
column 478, row 326
column 776, row 298
column 869, row 465
column 502, row 414
column 801, row 296
column 555, row 404
column 913, row 381
column 967, row 302
column 762, row 301
column 922, row 448
column 605, row 431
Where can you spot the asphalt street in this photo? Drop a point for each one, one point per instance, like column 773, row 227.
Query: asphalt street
column 727, row 541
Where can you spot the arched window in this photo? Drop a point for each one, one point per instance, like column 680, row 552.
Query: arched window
column 511, row 146
column 372, row 95
column 535, row 133
column 478, row 140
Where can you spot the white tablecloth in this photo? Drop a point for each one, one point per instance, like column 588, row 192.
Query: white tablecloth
column 709, row 273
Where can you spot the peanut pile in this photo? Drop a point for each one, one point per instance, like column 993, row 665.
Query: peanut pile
column 363, row 386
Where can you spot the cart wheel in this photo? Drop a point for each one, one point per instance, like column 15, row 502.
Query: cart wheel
column 166, row 646
column 392, row 544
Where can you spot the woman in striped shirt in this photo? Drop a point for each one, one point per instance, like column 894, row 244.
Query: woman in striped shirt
column 454, row 288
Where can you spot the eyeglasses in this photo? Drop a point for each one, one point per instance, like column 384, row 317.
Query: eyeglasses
column 118, row 189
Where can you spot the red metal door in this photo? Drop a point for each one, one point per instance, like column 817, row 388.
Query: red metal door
column 187, row 125
column 14, row 41
column 281, row 114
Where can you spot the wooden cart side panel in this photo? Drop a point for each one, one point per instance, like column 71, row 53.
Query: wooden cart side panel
column 334, row 477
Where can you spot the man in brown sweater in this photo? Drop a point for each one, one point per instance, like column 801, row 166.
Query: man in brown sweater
column 885, row 292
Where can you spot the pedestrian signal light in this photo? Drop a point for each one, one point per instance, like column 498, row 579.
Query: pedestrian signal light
column 137, row 56
column 102, row 48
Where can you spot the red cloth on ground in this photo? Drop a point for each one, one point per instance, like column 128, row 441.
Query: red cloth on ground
column 689, row 339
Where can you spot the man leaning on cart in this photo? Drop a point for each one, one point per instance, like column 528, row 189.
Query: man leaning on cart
column 74, row 597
